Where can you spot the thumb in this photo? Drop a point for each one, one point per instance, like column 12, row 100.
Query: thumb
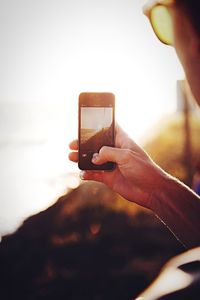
column 106, row 154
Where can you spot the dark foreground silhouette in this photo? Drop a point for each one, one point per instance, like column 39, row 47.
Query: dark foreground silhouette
column 89, row 245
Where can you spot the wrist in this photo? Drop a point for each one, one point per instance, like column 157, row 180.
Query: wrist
column 161, row 192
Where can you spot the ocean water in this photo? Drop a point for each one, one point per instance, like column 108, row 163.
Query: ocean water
column 34, row 169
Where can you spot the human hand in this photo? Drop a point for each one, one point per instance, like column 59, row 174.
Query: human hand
column 135, row 177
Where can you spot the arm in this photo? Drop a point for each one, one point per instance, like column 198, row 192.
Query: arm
column 179, row 208
column 138, row 179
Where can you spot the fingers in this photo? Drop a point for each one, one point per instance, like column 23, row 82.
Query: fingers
column 73, row 156
column 74, row 145
column 119, row 156
column 91, row 175
column 122, row 141
column 100, row 176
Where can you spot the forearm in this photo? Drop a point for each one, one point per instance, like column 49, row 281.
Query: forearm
column 179, row 209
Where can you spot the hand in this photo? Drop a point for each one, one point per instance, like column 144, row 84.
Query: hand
column 135, row 177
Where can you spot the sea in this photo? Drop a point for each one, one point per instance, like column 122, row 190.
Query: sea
column 34, row 166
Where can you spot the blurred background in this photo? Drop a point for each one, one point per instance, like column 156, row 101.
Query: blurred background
column 50, row 52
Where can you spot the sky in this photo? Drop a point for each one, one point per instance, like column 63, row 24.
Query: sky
column 50, row 52
column 53, row 50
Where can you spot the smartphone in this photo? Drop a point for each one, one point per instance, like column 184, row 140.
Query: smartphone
column 96, row 128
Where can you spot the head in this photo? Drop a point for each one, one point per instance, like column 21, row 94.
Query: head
column 177, row 23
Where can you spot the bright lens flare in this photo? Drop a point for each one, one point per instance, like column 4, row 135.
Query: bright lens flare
column 162, row 24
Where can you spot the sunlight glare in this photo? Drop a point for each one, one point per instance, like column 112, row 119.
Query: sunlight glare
column 51, row 51
column 72, row 181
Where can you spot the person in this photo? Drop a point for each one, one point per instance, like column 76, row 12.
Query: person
column 137, row 177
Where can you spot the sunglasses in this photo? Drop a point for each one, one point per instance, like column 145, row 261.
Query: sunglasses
column 159, row 15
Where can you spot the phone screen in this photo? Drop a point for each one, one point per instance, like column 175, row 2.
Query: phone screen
column 96, row 128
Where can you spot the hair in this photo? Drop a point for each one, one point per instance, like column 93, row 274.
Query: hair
column 192, row 9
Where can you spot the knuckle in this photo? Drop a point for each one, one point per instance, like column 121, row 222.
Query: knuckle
column 127, row 155
column 103, row 150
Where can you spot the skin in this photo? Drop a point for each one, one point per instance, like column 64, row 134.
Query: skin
column 125, row 180
column 187, row 46
column 136, row 176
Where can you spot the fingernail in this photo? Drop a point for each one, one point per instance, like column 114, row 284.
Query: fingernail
column 95, row 157
column 82, row 175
